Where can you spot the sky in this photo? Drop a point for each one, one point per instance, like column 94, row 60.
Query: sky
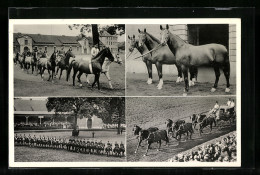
column 60, row 29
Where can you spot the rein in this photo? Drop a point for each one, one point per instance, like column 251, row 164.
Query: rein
column 156, row 48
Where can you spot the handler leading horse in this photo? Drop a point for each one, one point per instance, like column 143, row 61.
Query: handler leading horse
column 189, row 56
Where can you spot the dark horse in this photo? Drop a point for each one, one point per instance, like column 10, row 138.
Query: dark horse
column 190, row 56
column 62, row 62
column 161, row 55
column 142, row 134
column 208, row 121
column 148, row 59
column 49, row 64
column 178, row 130
column 157, row 136
column 93, row 66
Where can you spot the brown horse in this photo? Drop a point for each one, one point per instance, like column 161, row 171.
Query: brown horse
column 147, row 59
column 161, row 54
column 62, row 62
column 93, row 66
column 190, row 56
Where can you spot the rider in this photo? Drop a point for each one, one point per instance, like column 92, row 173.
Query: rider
column 215, row 108
column 232, row 106
column 61, row 52
column 229, row 102
column 94, row 51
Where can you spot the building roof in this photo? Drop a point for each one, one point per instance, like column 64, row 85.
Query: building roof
column 104, row 33
column 39, row 39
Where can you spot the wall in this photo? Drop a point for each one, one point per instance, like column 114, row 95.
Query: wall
column 22, row 43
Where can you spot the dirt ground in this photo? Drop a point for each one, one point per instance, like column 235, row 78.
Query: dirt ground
column 136, row 86
column 32, row 85
column 27, row 154
column 154, row 111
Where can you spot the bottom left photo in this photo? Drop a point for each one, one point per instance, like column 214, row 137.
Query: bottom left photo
column 77, row 129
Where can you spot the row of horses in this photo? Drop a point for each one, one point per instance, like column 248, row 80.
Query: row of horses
column 178, row 128
column 39, row 63
column 171, row 49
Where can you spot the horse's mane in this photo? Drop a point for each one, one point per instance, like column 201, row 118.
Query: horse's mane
column 179, row 38
column 153, row 38
column 100, row 53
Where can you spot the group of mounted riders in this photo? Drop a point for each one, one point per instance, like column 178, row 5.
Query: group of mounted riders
column 98, row 63
column 72, row 145
column 178, row 128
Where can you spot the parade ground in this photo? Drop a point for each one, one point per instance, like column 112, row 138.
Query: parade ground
column 32, row 154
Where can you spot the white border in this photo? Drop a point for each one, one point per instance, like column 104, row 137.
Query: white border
column 236, row 21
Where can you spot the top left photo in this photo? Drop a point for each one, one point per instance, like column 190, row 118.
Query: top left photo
column 67, row 59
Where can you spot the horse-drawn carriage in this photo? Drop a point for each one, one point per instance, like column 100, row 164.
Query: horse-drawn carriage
column 225, row 113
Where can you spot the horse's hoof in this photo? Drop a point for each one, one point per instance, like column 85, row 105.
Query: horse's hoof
column 227, row 90
column 213, row 89
column 149, row 81
column 80, row 85
column 184, row 94
column 190, row 83
column 144, row 155
column 157, row 149
column 181, row 80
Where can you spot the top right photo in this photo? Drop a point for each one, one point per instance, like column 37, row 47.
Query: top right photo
column 181, row 59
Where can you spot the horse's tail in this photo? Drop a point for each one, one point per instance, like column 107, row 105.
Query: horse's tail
column 69, row 70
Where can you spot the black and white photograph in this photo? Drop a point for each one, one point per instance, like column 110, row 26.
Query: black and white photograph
column 72, row 129
column 50, row 59
column 181, row 59
column 178, row 129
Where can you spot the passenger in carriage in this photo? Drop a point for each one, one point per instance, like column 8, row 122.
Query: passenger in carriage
column 215, row 108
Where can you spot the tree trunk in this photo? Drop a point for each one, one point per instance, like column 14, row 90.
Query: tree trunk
column 75, row 132
column 95, row 35
column 119, row 122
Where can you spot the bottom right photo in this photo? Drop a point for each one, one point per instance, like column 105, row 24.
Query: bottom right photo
column 181, row 129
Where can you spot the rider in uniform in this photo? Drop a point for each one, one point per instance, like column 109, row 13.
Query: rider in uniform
column 215, row 108
column 62, row 51
column 94, row 51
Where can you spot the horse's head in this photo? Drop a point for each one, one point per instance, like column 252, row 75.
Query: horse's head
column 132, row 43
column 193, row 118
column 109, row 55
column 69, row 54
column 169, row 123
column 58, row 59
column 54, row 56
column 136, row 130
column 142, row 37
column 164, row 34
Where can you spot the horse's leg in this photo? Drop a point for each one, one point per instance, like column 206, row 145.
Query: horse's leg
column 150, row 72
column 98, row 75
column 79, row 75
column 57, row 70
column 95, row 80
column 185, row 73
column 49, row 75
column 52, row 74
column 226, row 70
column 179, row 79
column 217, row 74
column 74, row 75
column 159, row 70
column 192, row 75
column 60, row 73
column 139, row 143
column 109, row 79
column 148, row 147
column 159, row 145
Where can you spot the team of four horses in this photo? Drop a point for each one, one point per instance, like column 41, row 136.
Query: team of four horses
column 178, row 128
column 173, row 50
column 96, row 65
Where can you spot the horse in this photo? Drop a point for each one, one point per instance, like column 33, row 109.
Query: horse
column 208, row 121
column 197, row 118
column 62, row 62
column 160, row 55
column 49, row 64
column 90, row 67
column 147, row 59
column 108, row 150
column 34, row 61
column 220, row 115
column 157, row 136
column 169, row 125
column 178, row 130
column 28, row 62
column 190, row 56
column 105, row 69
column 116, row 151
column 142, row 134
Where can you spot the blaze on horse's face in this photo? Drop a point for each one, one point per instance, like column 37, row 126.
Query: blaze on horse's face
column 142, row 37
column 132, row 42
column 164, row 34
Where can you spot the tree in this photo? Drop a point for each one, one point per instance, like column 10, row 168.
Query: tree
column 110, row 110
column 113, row 29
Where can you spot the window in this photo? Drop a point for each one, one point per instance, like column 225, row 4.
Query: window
column 26, row 42
column 45, row 48
column 77, row 48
